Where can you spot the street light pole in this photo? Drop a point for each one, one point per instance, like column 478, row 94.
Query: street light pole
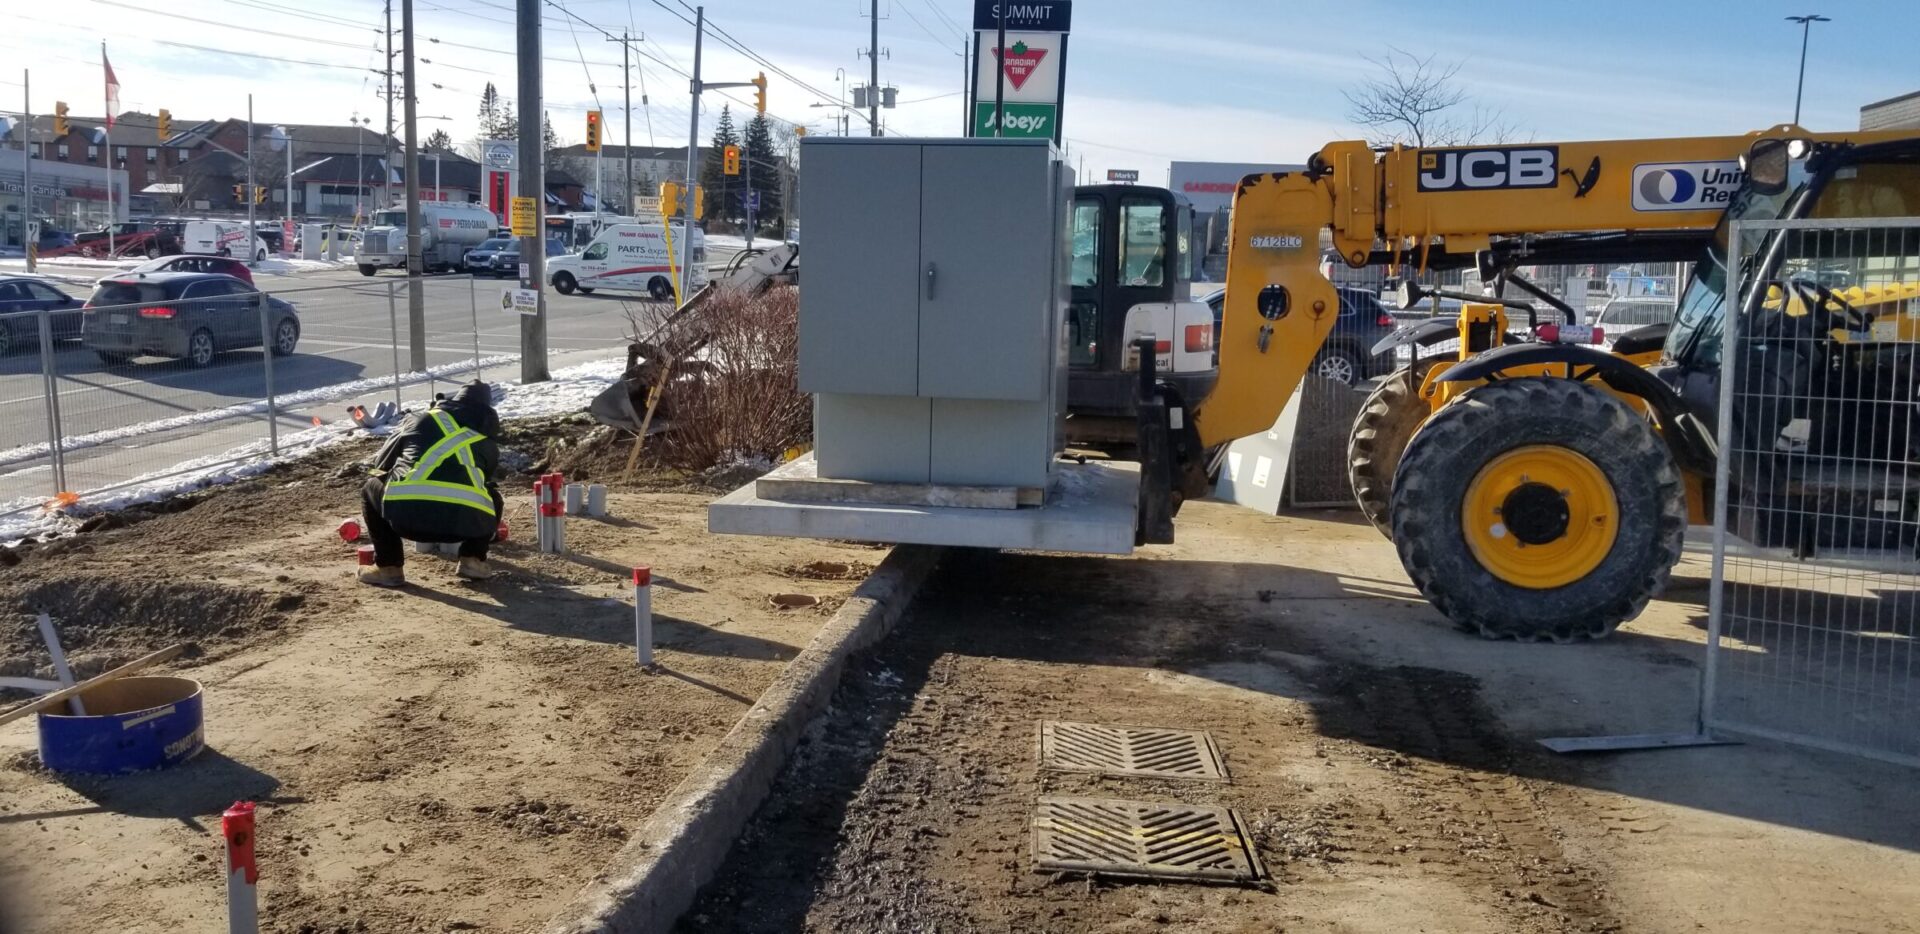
column 1806, row 26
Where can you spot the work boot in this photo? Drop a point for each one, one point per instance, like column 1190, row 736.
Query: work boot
column 474, row 569
column 383, row 576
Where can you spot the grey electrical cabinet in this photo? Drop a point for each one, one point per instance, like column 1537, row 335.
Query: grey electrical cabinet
column 932, row 308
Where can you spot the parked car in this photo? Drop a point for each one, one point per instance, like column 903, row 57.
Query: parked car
column 506, row 263
column 1621, row 315
column 161, row 239
column 1347, row 357
column 480, row 258
column 20, row 331
column 194, row 262
column 191, row 316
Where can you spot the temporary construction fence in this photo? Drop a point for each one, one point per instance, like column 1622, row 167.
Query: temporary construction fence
column 90, row 411
column 1814, row 622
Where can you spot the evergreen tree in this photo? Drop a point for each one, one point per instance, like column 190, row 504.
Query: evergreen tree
column 439, row 141
column 497, row 120
column 713, row 174
column 763, row 168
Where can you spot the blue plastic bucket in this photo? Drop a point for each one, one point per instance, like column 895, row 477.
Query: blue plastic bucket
column 132, row 725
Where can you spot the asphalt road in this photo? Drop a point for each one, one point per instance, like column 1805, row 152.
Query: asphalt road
column 347, row 329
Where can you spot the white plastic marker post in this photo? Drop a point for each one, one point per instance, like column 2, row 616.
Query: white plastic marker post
column 61, row 670
column 243, row 875
column 643, row 614
column 597, row 500
column 576, row 499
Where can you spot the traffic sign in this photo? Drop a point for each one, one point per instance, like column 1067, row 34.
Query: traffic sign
column 520, row 301
column 753, row 200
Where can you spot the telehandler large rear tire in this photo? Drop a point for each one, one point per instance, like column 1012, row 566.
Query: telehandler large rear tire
column 1387, row 421
column 1538, row 508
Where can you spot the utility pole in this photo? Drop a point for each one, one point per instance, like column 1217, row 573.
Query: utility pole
column 386, row 146
column 416, row 289
column 251, row 233
column 626, row 81
column 966, row 85
column 533, row 175
column 1806, row 26
column 693, row 153
column 873, row 61
column 1000, row 72
column 29, row 231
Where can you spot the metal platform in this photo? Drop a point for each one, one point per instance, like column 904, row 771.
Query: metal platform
column 1089, row 509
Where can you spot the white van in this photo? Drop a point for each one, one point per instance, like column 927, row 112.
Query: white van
column 222, row 238
column 629, row 258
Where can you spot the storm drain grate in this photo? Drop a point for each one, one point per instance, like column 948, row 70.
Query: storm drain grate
column 1116, row 750
column 1142, row 838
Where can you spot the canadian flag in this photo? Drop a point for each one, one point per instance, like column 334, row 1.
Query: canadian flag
column 113, row 87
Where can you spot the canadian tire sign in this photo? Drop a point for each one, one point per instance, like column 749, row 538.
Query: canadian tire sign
column 1024, row 72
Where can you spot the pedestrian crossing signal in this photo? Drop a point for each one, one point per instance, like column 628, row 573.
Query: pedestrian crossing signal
column 593, row 131
column 732, row 160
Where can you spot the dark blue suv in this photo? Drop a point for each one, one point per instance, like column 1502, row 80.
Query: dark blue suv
column 21, row 294
column 190, row 316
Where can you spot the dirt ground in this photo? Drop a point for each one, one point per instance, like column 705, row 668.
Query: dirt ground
column 452, row 756
column 1384, row 762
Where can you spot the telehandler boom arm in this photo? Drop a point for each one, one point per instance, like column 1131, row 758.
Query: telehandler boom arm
column 1412, row 205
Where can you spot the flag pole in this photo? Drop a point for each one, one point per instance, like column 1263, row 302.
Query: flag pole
column 113, row 218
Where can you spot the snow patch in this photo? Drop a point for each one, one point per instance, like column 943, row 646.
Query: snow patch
column 567, row 392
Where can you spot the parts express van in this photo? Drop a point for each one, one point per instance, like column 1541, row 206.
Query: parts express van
column 630, row 258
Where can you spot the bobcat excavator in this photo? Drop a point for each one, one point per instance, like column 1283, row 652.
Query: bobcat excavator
column 1536, row 486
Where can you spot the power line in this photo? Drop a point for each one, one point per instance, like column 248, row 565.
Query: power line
column 316, row 17
column 944, row 18
column 209, row 22
column 923, row 26
column 583, row 58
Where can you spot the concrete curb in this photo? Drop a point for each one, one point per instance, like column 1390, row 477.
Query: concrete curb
column 653, row 879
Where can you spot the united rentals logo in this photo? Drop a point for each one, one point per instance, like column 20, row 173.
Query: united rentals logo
column 1685, row 186
column 1019, row 63
column 1491, row 168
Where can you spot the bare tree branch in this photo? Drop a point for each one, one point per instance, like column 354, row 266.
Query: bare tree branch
column 1414, row 102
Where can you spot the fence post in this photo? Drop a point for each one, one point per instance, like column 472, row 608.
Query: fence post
column 393, row 331
column 50, row 375
column 1732, row 304
column 266, row 358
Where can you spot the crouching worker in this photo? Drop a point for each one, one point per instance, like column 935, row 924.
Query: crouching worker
column 434, row 482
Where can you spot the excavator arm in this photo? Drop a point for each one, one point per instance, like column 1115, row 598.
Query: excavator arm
column 1418, row 206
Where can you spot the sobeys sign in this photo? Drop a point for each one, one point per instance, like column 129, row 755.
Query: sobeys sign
column 1023, row 120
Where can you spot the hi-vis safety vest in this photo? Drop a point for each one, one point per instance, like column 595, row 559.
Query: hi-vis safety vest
column 419, row 484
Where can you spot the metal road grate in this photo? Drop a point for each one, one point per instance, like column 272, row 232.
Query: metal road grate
column 1142, row 838
column 1114, row 750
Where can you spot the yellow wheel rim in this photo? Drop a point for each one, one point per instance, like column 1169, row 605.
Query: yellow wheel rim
column 1540, row 516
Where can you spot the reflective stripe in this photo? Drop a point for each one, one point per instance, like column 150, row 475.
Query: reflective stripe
column 454, row 442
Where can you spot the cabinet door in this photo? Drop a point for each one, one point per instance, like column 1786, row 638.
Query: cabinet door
column 860, row 308
column 987, row 231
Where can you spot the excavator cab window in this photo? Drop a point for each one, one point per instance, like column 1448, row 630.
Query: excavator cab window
column 1083, row 317
column 1143, row 243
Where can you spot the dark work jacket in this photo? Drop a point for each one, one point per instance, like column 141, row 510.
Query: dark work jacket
column 472, row 407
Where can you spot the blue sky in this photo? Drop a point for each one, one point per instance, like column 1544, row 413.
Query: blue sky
column 1232, row 80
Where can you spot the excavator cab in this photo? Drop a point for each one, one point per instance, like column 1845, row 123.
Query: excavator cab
column 1131, row 277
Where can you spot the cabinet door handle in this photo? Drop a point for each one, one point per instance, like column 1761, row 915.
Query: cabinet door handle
column 929, row 281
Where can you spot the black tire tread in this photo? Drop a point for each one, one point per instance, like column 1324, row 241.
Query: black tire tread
column 1380, row 433
column 1454, row 440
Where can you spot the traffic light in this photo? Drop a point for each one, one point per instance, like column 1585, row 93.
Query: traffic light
column 760, row 93
column 799, row 131
column 239, row 194
column 731, row 161
column 165, row 125
column 699, row 202
column 669, row 199
column 593, row 131
column 60, row 125
column 259, row 194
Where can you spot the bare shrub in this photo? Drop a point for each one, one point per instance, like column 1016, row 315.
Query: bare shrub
column 738, row 398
